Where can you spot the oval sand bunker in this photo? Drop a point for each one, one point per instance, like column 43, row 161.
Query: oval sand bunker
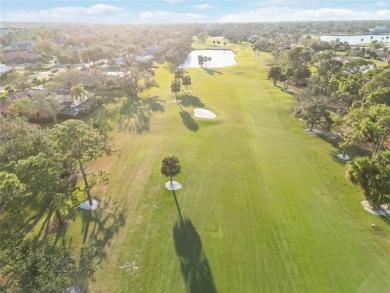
column 172, row 186
column 204, row 113
column 86, row 206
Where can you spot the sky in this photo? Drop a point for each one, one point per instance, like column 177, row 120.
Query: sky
column 182, row 11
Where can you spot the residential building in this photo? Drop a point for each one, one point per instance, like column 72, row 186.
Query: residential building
column 380, row 30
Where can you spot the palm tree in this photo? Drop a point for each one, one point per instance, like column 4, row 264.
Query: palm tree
column 175, row 87
column 200, row 60
column 78, row 92
column 179, row 73
column 170, row 166
column 208, row 60
column 187, row 81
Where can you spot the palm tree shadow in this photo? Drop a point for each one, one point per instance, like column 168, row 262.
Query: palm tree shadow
column 211, row 71
column 132, row 114
column 194, row 265
column 135, row 113
column 188, row 121
column 188, row 100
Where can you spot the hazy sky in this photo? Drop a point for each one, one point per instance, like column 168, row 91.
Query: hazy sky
column 131, row 11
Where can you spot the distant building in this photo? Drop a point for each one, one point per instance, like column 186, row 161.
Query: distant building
column 120, row 61
column 253, row 38
column 23, row 45
column 20, row 57
column 145, row 61
column 153, row 49
column 71, row 107
column 380, row 30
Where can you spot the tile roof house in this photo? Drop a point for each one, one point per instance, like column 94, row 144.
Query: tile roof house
column 20, row 57
column 71, row 107
column 152, row 49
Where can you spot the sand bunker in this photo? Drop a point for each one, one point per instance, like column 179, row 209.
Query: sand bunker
column 174, row 186
column 382, row 211
column 86, row 206
column 204, row 113
column 343, row 157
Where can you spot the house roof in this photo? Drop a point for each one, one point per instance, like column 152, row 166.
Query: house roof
column 13, row 96
column 150, row 50
column 142, row 60
column 21, row 55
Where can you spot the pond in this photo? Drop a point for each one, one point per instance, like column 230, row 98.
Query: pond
column 219, row 58
column 4, row 68
column 356, row 39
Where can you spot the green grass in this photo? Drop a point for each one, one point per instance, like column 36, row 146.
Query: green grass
column 267, row 205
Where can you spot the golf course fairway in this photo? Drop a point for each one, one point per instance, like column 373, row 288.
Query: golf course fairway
column 266, row 206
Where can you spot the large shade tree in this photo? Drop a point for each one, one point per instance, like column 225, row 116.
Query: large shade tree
column 373, row 176
column 312, row 108
column 274, row 73
column 348, row 87
column 371, row 124
column 32, row 265
column 79, row 143
column 48, row 102
column 44, row 180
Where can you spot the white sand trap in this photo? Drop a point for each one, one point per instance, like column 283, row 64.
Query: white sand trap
column 382, row 211
column 314, row 131
column 174, row 186
column 86, row 206
column 204, row 113
column 177, row 101
column 345, row 157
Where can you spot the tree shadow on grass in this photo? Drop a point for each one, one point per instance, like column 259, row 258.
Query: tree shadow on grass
column 135, row 113
column 194, row 265
column 131, row 114
column 212, row 71
column 102, row 224
column 385, row 219
column 188, row 121
column 98, row 227
column 188, row 100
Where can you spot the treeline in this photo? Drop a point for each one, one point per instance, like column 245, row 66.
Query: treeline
column 131, row 80
column 105, row 41
column 354, row 98
column 38, row 181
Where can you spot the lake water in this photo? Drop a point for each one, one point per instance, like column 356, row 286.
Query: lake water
column 219, row 58
column 356, row 39
column 4, row 68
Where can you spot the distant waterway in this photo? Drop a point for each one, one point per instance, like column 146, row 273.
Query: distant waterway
column 356, row 39
column 4, row 68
